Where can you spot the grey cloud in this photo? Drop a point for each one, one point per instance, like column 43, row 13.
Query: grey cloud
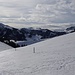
column 38, row 12
column 61, row 11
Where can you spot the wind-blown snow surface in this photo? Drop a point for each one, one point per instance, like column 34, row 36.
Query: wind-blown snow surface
column 54, row 56
column 4, row 46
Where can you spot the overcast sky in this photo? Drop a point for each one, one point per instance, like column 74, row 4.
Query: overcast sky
column 40, row 12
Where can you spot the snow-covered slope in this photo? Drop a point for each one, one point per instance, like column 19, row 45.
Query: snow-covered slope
column 4, row 46
column 54, row 56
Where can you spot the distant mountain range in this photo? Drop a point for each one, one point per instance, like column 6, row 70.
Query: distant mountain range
column 25, row 36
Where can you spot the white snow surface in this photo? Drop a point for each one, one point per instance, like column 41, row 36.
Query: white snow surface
column 4, row 46
column 54, row 56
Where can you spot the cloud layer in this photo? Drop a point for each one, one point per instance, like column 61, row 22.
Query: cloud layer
column 37, row 12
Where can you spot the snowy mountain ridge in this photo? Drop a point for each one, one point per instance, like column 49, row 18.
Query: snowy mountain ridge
column 26, row 36
column 14, row 37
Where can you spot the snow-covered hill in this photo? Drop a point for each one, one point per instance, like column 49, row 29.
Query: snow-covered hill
column 4, row 46
column 25, row 36
column 54, row 56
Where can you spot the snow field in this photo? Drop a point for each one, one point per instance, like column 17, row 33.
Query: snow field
column 54, row 56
